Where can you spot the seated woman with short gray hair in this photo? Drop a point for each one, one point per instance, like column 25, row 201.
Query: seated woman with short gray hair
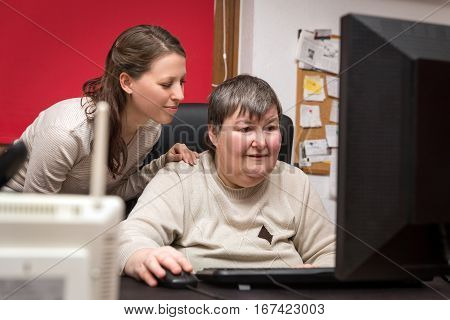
column 238, row 207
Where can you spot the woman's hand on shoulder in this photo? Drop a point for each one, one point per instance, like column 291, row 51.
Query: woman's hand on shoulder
column 180, row 151
column 148, row 264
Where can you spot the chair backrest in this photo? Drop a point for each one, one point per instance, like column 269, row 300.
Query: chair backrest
column 190, row 126
column 11, row 160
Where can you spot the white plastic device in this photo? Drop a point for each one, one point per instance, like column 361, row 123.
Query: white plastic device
column 62, row 246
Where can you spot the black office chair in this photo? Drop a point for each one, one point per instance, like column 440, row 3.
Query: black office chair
column 190, row 126
column 11, row 160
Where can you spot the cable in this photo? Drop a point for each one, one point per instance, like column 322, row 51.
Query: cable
column 304, row 296
column 224, row 41
column 224, row 37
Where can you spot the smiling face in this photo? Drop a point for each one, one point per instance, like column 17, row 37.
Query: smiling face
column 246, row 148
column 157, row 93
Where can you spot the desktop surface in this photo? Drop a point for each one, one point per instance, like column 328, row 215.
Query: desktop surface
column 130, row 289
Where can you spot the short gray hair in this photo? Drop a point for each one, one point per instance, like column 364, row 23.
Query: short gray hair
column 250, row 94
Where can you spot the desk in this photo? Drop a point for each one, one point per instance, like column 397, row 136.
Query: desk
column 131, row 289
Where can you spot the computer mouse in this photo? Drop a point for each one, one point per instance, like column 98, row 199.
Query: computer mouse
column 178, row 281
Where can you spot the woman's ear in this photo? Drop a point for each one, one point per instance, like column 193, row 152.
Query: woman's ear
column 126, row 82
column 212, row 134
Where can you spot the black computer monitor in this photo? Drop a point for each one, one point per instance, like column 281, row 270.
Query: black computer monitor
column 393, row 209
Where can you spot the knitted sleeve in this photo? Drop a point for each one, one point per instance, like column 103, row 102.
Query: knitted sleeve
column 133, row 184
column 315, row 238
column 55, row 150
column 156, row 220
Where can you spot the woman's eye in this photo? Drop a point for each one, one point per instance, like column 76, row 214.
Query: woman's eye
column 272, row 128
column 245, row 129
column 166, row 85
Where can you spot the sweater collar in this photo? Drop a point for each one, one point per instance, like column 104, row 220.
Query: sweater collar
column 232, row 193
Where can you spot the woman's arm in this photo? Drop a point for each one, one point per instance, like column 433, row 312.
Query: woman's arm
column 154, row 224
column 135, row 183
column 54, row 152
column 315, row 238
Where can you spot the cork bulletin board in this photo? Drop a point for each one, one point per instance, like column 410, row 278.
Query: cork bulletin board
column 302, row 134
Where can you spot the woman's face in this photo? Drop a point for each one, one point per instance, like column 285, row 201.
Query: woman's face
column 157, row 93
column 247, row 148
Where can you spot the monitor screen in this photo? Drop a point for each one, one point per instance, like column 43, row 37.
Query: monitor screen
column 393, row 209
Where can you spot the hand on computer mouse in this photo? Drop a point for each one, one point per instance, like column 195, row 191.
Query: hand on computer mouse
column 178, row 281
column 150, row 264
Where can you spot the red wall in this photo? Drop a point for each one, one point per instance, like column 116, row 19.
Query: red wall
column 50, row 47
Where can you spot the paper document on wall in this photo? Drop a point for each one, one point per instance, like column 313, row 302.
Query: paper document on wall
column 334, row 112
column 309, row 152
column 302, row 157
column 330, row 59
column 331, row 131
column 332, row 86
column 300, row 44
column 310, row 116
column 333, row 174
column 313, row 88
column 321, row 54
column 302, row 65
column 315, row 147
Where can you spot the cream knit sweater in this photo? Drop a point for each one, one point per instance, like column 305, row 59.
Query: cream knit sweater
column 59, row 144
column 279, row 223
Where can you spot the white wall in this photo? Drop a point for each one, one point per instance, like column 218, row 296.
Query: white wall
column 269, row 34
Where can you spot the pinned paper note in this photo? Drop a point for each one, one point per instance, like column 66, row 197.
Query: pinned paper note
column 309, row 152
column 333, row 174
column 334, row 112
column 310, row 116
column 320, row 54
column 313, row 85
column 332, row 86
column 316, row 147
column 301, row 64
column 331, row 131
column 305, row 162
column 313, row 88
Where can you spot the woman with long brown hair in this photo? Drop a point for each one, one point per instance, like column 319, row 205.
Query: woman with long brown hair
column 143, row 82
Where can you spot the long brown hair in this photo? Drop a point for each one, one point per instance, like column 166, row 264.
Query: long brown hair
column 133, row 52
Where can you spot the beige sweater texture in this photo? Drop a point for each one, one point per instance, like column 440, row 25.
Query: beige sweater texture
column 59, row 144
column 189, row 208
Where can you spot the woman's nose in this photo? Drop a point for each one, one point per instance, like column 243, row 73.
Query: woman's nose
column 259, row 140
column 178, row 92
